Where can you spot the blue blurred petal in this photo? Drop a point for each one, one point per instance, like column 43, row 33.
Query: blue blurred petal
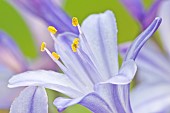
column 11, row 56
column 137, row 44
column 49, row 79
column 151, row 13
column 101, row 34
column 49, row 12
column 153, row 98
column 136, row 8
column 7, row 95
column 31, row 100
column 165, row 26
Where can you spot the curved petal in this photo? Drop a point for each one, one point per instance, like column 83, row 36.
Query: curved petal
column 31, row 100
column 101, row 34
column 125, row 75
column 151, row 98
column 48, row 11
column 11, row 56
column 165, row 26
column 92, row 101
column 137, row 44
column 136, row 8
column 150, row 58
column 117, row 97
column 47, row 79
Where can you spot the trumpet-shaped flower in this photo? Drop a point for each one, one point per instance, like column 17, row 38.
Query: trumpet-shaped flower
column 153, row 71
column 91, row 75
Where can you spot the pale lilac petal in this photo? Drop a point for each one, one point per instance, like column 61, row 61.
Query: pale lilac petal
column 117, row 97
column 7, row 95
column 151, row 98
column 92, row 101
column 11, row 56
column 31, row 100
column 125, row 75
column 150, row 58
column 137, row 44
column 101, row 34
column 165, row 26
column 48, row 79
column 136, row 8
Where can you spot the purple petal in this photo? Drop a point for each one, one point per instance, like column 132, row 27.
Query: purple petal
column 117, row 97
column 11, row 56
column 150, row 58
column 165, row 26
column 125, row 75
column 136, row 8
column 31, row 100
column 151, row 98
column 141, row 39
column 92, row 101
column 101, row 34
column 151, row 13
column 49, row 11
column 48, row 79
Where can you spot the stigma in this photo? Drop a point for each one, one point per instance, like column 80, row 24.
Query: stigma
column 52, row 29
column 75, row 44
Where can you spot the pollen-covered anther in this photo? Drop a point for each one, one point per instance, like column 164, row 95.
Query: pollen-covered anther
column 43, row 46
column 55, row 55
column 75, row 44
column 75, row 21
column 52, row 29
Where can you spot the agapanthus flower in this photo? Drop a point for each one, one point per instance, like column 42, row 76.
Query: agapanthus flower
column 89, row 61
column 13, row 61
column 152, row 95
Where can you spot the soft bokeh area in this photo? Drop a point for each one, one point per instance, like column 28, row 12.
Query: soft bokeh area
column 13, row 23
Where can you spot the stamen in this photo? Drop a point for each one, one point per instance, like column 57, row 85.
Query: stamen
column 43, row 46
column 75, row 44
column 52, row 29
column 55, row 55
column 75, row 21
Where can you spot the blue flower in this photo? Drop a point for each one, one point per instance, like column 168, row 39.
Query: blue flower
column 91, row 76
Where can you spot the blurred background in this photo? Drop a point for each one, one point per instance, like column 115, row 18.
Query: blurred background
column 13, row 23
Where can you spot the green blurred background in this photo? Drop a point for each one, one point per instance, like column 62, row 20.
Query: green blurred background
column 14, row 25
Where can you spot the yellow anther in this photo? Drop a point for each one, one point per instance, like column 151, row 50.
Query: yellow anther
column 52, row 29
column 75, row 21
column 43, row 46
column 55, row 55
column 75, row 44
